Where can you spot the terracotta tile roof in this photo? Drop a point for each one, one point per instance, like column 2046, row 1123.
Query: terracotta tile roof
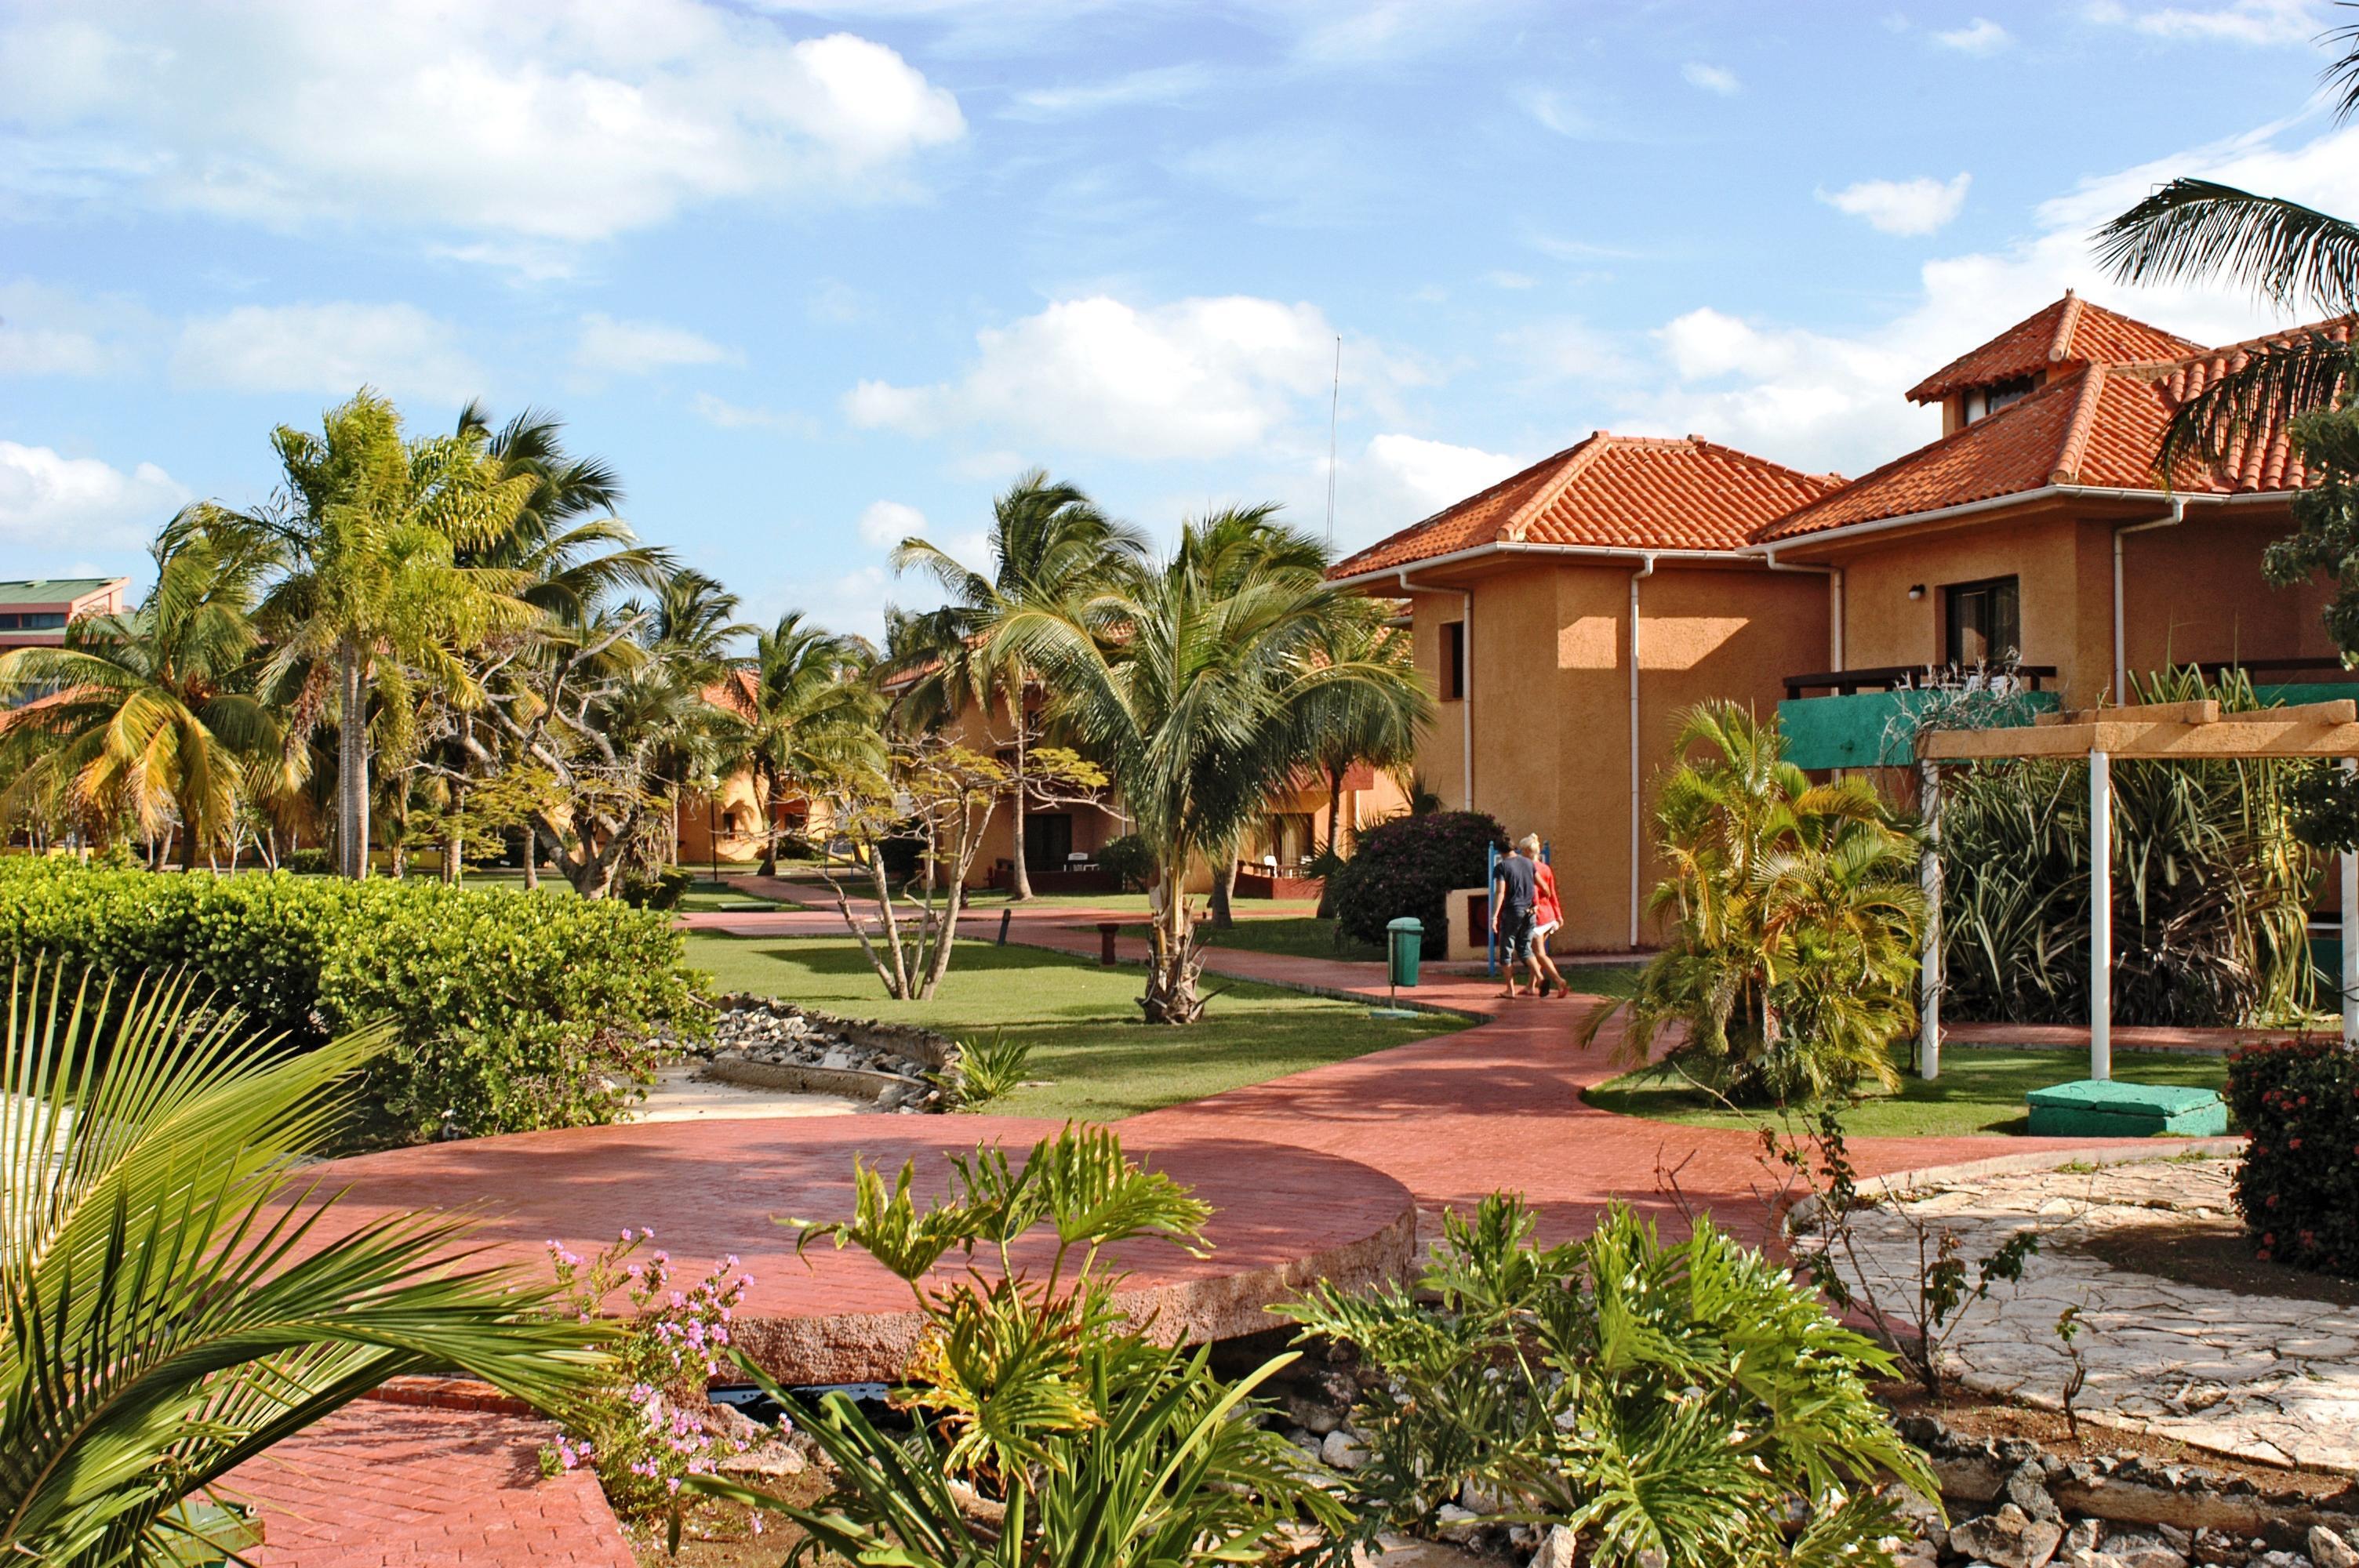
column 2068, row 333
column 2099, row 426
column 1623, row 493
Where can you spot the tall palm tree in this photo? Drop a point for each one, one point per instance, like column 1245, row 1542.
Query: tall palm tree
column 1193, row 683
column 156, row 711
column 375, row 596
column 805, row 709
column 574, row 552
column 1377, row 726
column 1049, row 544
column 2291, row 255
column 175, row 1298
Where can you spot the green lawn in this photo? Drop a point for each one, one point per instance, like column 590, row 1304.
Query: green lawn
column 1097, row 1060
column 1294, row 936
column 703, row 894
column 1979, row 1091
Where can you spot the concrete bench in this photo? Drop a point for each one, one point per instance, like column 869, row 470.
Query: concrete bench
column 2101, row 1108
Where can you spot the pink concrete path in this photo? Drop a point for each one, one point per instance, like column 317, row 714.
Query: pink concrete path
column 1494, row 1107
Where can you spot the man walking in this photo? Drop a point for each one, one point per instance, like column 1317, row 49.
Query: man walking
column 1514, row 893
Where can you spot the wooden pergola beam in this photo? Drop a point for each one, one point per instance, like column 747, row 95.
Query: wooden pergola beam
column 2229, row 738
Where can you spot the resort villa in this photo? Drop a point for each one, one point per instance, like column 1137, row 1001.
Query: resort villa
column 34, row 611
column 1567, row 614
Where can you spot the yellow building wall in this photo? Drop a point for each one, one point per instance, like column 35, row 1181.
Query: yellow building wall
column 2195, row 592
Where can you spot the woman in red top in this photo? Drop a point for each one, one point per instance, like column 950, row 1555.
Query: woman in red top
column 1547, row 916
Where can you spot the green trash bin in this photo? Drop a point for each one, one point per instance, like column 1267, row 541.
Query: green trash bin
column 1404, row 945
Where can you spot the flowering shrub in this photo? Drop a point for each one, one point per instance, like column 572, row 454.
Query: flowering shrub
column 2298, row 1186
column 640, row 1437
column 1410, row 866
column 511, row 1010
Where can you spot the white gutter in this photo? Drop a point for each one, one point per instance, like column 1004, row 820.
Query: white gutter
column 1645, row 571
column 1465, row 681
column 1747, row 556
column 1996, row 502
column 2121, row 646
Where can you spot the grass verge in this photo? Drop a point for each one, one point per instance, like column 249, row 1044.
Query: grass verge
column 1097, row 1060
column 1979, row 1091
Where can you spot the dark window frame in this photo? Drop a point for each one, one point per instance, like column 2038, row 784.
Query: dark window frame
column 2005, row 597
column 1453, row 661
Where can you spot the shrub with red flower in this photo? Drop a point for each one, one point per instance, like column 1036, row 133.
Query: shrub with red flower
column 2295, row 1099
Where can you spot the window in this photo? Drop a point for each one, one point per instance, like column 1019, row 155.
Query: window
column 1048, row 840
column 1453, row 661
column 1982, row 621
column 32, row 621
column 1981, row 402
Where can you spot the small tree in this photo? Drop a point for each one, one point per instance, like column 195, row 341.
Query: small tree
column 931, row 793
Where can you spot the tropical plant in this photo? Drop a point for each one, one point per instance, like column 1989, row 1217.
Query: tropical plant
column 807, row 710
column 1051, row 1432
column 1792, row 959
column 154, row 714
column 986, row 1071
column 175, row 1298
column 2210, row 884
column 1049, row 544
column 1407, row 868
column 1382, row 734
column 1688, row 1403
column 1195, row 685
column 374, row 601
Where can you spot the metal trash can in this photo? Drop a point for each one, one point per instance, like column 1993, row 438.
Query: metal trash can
column 1404, row 945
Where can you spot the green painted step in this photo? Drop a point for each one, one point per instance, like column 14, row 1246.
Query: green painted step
column 2095, row 1107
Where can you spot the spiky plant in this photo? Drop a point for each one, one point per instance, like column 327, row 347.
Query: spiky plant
column 175, row 1298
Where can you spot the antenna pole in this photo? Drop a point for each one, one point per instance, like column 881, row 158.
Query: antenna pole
column 1334, row 404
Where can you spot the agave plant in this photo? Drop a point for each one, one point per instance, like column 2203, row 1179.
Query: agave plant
column 1050, row 1432
column 167, row 1308
column 1674, row 1403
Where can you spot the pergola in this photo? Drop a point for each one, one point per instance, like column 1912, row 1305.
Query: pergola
column 2162, row 732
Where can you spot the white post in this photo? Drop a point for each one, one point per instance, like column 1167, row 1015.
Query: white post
column 2101, row 917
column 2350, row 933
column 1928, row 968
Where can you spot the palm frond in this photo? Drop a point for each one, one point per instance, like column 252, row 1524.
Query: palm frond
column 2199, row 230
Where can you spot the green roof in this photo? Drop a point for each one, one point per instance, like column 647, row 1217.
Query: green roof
column 51, row 590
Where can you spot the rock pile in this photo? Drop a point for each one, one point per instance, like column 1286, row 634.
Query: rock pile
column 775, row 1045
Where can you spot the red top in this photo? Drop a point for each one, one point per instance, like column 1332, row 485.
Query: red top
column 1545, row 907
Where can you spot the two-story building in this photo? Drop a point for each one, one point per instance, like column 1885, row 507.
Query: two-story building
column 1569, row 613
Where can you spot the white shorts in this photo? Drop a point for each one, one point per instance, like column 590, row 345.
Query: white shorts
column 1541, row 932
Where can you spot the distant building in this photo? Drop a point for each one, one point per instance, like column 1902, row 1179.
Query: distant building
column 34, row 611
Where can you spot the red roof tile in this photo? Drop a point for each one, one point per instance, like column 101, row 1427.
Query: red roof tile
column 1622, row 492
column 2068, row 333
column 2102, row 425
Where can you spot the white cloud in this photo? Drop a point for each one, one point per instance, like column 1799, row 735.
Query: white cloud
column 1557, row 113
column 2244, row 22
column 49, row 500
column 1409, row 477
column 727, row 415
column 333, row 348
column 1980, row 36
column 1197, row 378
column 884, row 523
column 1504, row 279
column 1918, row 206
column 52, row 332
column 607, row 346
column 1712, row 78
column 542, row 121
column 1160, row 85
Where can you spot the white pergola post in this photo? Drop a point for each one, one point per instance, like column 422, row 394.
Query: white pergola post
column 2350, row 933
column 2100, row 916
column 1928, row 968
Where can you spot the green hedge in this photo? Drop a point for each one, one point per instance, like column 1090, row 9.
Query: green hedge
column 513, row 1011
column 1410, row 865
column 2298, row 1186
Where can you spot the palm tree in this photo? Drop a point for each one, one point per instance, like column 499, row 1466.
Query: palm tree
column 573, row 552
column 177, row 1299
column 2292, row 256
column 155, row 712
column 1797, row 912
column 1194, row 683
column 376, row 597
column 1049, row 544
column 805, row 709
column 1363, row 724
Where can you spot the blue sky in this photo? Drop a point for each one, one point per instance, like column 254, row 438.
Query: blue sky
column 815, row 275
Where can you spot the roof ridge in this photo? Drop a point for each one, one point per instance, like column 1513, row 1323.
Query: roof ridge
column 2083, row 418
column 1577, row 460
column 2059, row 347
column 1705, row 443
column 2349, row 320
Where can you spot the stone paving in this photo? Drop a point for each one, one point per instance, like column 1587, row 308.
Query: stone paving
column 2258, row 1376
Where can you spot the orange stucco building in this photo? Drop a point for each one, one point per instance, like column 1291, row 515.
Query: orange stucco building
column 1567, row 614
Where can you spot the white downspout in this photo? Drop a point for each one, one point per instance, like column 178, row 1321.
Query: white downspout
column 1466, row 685
column 2121, row 634
column 1646, row 571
